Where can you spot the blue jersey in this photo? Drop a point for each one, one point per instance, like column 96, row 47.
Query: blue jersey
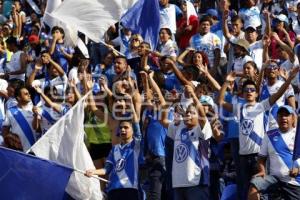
column 156, row 133
column 123, row 161
column 60, row 58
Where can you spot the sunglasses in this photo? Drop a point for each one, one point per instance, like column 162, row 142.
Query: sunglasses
column 248, row 90
column 273, row 66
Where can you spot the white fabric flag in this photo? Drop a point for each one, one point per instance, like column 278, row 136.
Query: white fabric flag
column 190, row 9
column 70, row 32
column 92, row 17
column 64, row 144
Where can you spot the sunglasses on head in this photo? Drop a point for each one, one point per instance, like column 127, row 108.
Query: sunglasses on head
column 249, row 89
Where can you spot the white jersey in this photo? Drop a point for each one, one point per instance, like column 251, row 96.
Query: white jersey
column 238, row 63
column 207, row 43
column 188, row 163
column 48, row 117
column 20, row 123
column 251, row 130
column 250, row 16
column 256, row 52
column 278, row 147
column 60, row 83
column 14, row 65
column 168, row 18
column 169, row 48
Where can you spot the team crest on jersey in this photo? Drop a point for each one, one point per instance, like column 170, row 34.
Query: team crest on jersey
column 184, row 136
column 275, row 138
column 120, row 164
column 181, row 153
column 247, row 126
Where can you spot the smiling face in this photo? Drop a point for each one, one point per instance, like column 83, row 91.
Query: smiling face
column 164, row 35
column 272, row 71
column 204, row 27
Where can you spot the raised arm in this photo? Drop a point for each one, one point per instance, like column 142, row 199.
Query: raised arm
column 55, row 106
column 225, row 28
column 210, row 78
column 181, row 57
column 284, row 46
column 38, row 66
column 228, row 106
column 177, row 72
column 284, row 86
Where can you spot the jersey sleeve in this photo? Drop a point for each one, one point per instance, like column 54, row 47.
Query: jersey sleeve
column 206, row 131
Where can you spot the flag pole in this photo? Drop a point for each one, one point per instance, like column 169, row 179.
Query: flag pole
column 96, row 177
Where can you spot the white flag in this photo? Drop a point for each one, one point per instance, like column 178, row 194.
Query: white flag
column 70, row 32
column 64, row 144
column 91, row 17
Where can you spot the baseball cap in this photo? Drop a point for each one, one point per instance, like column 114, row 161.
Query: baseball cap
column 206, row 100
column 212, row 12
column 249, row 27
column 282, row 18
column 33, row 39
column 287, row 108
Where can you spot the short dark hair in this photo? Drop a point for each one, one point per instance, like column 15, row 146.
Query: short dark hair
column 168, row 31
column 18, row 90
column 146, row 43
column 121, row 57
column 206, row 18
column 248, row 82
column 15, row 83
column 60, row 29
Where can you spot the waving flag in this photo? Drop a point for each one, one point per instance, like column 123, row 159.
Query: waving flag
column 24, row 176
column 144, row 18
column 64, row 143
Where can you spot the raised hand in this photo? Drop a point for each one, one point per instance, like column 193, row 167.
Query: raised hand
column 231, row 76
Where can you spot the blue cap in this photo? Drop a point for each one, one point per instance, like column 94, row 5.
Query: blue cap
column 212, row 12
column 206, row 100
column 288, row 108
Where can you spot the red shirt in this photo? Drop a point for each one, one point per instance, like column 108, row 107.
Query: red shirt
column 184, row 39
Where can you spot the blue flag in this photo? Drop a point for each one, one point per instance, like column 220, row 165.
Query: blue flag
column 296, row 153
column 144, row 18
column 24, row 176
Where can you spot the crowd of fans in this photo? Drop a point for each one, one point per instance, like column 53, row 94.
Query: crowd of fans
column 213, row 105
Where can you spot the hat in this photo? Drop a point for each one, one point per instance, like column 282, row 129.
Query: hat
column 250, row 27
column 287, row 108
column 212, row 12
column 33, row 38
column 282, row 18
column 207, row 100
column 243, row 43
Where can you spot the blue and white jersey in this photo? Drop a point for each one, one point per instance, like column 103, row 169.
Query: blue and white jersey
column 279, row 147
column 190, row 157
column 20, row 123
column 123, row 162
column 256, row 52
column 48, row 117
column 59, row 82
column 271, row 115
column 207, row 43
column 251, row 16
column 251, row 131
column 168, row 17
column 60, row 58
column 168, row 49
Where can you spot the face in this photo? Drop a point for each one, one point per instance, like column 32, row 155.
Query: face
column 272, row 70
column 126, row 131
column 164, row 36
column 238, row 51
column 249, row 70
column 197, row 58
column 58, row 34
column 163, row 2
column 6, row 31
column 135, row 42
column 24, row 96
column 204, row 27
column 285, row 120
column 142, row 49
column 279, row 25
column 34, row 31
column 71, row 97
column 237, row 26
column 120, row 66
column 108, row 60
column 251, row 35
column 191, row 117
column 250, row 93
column 183, row 7
column 10, row 91
column 250, row 3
